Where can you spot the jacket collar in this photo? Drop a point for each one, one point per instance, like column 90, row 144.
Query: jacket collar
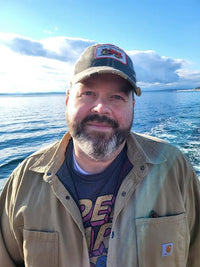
column 141, row 151
column 51, row 158
column 145, row 149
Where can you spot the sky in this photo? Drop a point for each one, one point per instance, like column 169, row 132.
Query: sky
column 40, row 41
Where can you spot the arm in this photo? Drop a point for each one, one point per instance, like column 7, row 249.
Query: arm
column 193, row 212
column 9, row 249
column 5, row 259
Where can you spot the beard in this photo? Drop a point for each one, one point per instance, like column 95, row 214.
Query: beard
column 98, row 145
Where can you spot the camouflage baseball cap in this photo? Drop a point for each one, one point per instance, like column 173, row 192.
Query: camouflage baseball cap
column 105, row 58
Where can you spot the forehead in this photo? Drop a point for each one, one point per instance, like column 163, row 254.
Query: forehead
column 107, row 80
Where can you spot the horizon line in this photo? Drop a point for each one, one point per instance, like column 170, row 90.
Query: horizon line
column 63, row 92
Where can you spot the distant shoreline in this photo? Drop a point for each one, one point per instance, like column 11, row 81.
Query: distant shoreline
column 32, row 94
column 63, row 93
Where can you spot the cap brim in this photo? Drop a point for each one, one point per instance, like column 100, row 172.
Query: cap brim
column 101, row 70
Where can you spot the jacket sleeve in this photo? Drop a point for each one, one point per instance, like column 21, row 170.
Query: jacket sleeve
column 192, row 203
column 5, row 259
column 9, row 243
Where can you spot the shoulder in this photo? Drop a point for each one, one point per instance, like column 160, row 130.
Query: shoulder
column 143, row 138
column 42, row 156
column 48, row 150
column 22, row 174
column 152, row 147
column 50, row 156
column 157, row 151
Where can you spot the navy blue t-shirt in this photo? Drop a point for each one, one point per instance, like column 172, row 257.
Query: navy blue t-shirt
column 95, row 196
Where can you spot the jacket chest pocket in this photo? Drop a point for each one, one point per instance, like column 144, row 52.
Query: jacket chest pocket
column 162, row 241
column 40, row 248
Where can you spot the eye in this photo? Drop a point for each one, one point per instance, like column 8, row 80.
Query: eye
column 117, row 97
column 88, row 93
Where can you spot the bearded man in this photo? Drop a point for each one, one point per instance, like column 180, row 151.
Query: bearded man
column 102, row 196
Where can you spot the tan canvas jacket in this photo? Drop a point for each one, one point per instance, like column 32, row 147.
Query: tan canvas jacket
column 156, row 216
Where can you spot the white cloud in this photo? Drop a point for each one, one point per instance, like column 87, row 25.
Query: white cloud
column 160, row 72
column 37, row 65
column 46, row 65
column 22, row 73
column 151, row 67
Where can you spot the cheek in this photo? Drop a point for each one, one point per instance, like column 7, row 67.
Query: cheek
column 125, row 117
column 75, row 113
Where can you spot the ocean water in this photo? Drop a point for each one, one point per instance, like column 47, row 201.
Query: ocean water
column 31, row 122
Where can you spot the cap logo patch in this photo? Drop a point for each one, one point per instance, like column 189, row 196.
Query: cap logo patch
column 110, row 51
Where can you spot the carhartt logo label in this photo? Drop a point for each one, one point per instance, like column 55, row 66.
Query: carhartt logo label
column 110, row 51
column 167, row 249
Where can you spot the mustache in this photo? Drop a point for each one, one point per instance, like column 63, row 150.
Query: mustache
column 100, row 119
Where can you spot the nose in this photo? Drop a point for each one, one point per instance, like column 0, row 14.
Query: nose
column 101, row 107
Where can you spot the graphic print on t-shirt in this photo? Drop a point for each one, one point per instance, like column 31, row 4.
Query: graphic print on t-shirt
column 97, row 220
column 95, row 196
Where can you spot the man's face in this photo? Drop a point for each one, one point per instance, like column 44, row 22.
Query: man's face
column 99, row 114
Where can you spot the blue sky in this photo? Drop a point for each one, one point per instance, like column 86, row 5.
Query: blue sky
column 41, row 40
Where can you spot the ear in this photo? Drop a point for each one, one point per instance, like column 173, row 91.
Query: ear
column 67, row 98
